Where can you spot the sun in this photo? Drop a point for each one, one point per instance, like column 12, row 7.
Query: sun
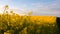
column 1, row 10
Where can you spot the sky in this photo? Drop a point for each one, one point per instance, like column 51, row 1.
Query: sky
column 38, row 7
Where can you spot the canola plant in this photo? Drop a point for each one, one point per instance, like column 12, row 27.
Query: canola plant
column 16, row 24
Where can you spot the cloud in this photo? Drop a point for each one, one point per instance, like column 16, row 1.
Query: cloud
column 51, row 9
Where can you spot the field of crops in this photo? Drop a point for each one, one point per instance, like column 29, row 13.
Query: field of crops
column 16, row 24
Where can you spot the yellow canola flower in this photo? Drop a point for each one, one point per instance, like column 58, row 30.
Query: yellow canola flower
column 43, row 18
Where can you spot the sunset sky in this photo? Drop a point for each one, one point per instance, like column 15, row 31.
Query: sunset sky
column 39, row 7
